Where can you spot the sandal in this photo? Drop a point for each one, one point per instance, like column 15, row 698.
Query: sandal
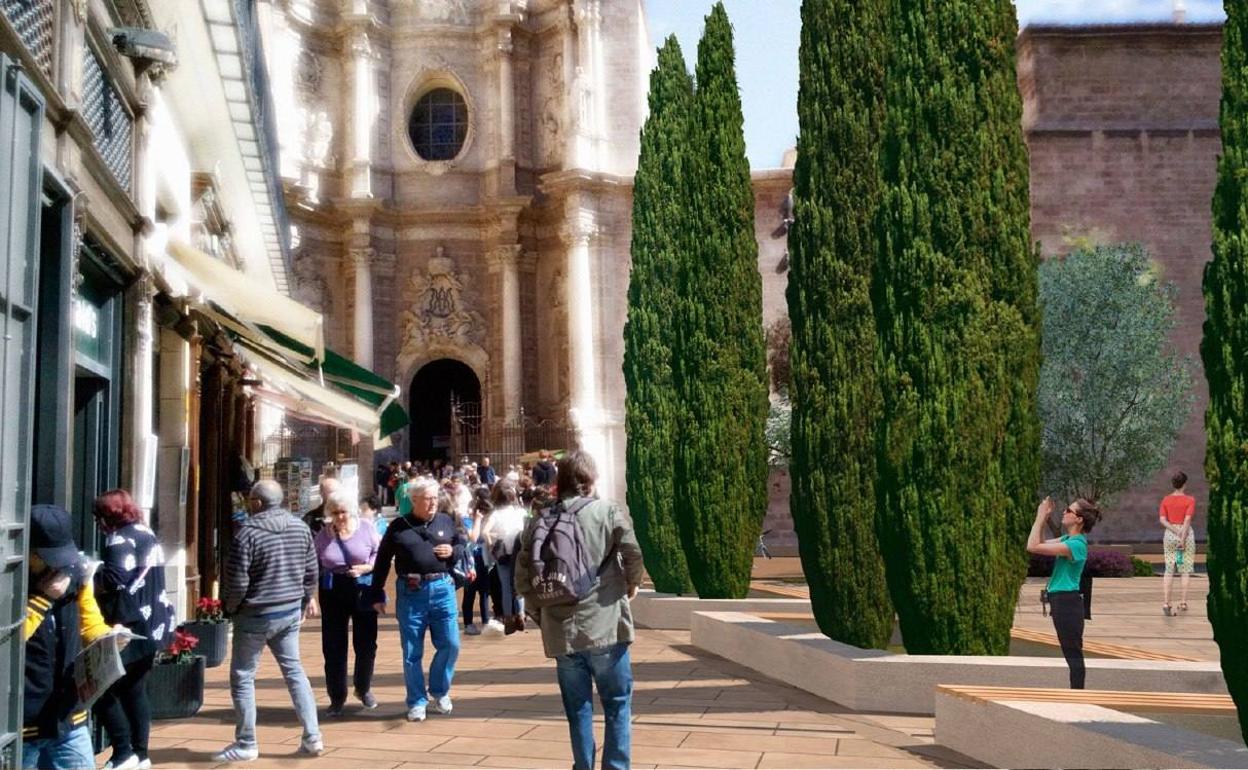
column 1166, row 608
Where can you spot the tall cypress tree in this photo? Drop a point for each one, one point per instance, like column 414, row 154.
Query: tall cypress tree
column 651, row 407
column 956, row 319
column 720, row 361
column 836, row 396
column 1224, row 351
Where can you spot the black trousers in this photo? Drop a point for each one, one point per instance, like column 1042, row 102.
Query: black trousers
column 477, row 590
column 125, row 713
column 1067, row 610
column 503, row 589
column 340, row 608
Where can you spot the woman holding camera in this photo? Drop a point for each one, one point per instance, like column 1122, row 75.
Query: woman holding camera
column 1070, row 554
column 347, row 547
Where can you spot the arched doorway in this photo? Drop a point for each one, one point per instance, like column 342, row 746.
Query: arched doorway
column 433, row 389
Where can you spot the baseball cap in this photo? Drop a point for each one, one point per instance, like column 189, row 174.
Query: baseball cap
column 52, row 538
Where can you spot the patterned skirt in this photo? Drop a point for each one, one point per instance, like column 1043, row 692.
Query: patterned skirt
column 1173, row 564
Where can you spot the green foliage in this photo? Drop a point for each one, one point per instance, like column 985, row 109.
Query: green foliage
column 1113, row 394
column 957, row 323
column 720, row 362
column 780, row 432
column 650, row 404
column 836, row 397
column 1224, row 351
column 1141, row 568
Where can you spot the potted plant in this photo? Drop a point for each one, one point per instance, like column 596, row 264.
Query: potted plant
column 210, row 628
column 175, row 688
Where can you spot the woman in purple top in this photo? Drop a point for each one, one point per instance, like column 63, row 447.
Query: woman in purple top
column 347, row 547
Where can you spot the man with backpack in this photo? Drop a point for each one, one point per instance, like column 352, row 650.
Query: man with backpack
column 578, row 567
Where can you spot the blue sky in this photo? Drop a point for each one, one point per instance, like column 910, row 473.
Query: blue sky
column 767, row 39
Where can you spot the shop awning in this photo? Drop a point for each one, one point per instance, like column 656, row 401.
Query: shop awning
column 241, row 297
column 335, row 374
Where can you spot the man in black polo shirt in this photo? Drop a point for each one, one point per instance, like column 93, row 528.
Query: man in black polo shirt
column 423, row 545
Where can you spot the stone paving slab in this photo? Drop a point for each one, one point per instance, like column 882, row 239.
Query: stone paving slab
column 691, row 710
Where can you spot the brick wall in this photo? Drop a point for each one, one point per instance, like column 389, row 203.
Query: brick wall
column 1121, row 123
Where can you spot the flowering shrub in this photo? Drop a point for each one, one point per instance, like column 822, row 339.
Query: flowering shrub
column 1102, row 563
column 180, row 650
column 209, row 610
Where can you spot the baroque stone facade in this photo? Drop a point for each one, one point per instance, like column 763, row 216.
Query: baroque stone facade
column 458, row 173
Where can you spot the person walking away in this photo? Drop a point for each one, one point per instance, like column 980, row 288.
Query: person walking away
column 268, row 584
column 502, row 540
column 1070, row 554
column 544, row 473
column 347, row 548
column 370, row 511
column 589, row 638
column 62, row 616
column 315, row 518
column 422, row 547
column 130, row 590
column 479, row 589
column 1179, row 540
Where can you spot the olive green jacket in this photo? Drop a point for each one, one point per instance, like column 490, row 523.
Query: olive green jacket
column 603, row 617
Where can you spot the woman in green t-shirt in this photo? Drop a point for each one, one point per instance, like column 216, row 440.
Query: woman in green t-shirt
column 1070, row 553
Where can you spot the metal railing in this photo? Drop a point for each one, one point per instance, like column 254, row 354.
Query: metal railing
column 34, row 22
column 474, row 435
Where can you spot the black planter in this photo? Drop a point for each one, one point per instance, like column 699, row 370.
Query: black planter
column 176, row 690
column 213, row 640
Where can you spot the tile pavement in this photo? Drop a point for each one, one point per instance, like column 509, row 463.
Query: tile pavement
column 690, row 710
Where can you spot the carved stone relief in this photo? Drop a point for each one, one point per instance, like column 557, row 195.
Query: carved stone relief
column 552, row 112
column 439, row 313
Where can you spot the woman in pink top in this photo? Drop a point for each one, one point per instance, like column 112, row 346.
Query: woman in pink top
column 1175, row 515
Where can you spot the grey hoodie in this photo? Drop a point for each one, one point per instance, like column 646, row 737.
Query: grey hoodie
column 272, row 565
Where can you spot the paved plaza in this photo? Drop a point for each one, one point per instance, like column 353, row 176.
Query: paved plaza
column 690, row 710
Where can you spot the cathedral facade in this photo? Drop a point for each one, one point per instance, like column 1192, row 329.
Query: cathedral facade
column 458, row 176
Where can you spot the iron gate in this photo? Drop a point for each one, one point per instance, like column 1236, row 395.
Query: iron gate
column 503, row 441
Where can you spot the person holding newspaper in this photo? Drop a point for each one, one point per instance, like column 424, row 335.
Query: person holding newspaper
column 130, row 589
column 62, row 617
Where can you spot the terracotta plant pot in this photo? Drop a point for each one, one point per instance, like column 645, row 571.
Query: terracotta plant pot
column 214, row 640
column 176, row 690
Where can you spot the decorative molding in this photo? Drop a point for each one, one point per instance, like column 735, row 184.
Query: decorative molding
column 502, row 257
column 361, row 259
column 580, row 229
column 309, row 74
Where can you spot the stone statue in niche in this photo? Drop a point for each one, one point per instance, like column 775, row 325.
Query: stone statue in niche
column 439, row 312
column 308, row 74
column 318, row 135
column 447, row 11
column 310, row 286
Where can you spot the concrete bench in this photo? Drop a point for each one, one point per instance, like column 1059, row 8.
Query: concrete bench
column 1050, row 727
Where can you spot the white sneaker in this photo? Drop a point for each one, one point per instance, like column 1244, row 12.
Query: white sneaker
column 472, row 629
column 443, row 705
column 494, row 629
column 145, row 764
column 236, row 753
column 131, row 763
column 416, row 714
column 311, row 748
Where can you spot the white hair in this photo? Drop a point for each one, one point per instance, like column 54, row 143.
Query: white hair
column 340, row 500
column 422, row 485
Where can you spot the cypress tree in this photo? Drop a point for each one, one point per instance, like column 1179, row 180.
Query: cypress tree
column 1224, row 351
column 720, row 363
column 650, row 402
column 957, row 324
column 836, row 397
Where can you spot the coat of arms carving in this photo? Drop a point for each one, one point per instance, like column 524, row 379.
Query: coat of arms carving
column 439, row 314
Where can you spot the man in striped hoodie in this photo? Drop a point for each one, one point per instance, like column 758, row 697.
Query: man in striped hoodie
column 269, row 578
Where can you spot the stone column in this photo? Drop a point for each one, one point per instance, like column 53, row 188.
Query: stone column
column 506, row 92
column 588, row 91
column 363, row 112
column 580, row 235
column 361, row 261
column 505, row 262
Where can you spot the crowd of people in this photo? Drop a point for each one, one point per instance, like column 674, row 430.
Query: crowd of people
column 467, row 528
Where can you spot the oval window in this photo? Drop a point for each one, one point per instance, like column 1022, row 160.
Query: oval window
column 439, row 124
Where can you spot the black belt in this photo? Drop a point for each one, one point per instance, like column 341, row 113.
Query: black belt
column 415, row 581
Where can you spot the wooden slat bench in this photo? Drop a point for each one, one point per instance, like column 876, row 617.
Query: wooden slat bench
column 790, row 591
column 1102, row 649
column 1190, row 703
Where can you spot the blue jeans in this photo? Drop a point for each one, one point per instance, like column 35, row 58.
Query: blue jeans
column 73, row 752
column 611, row 670
column 428, row 608
column 280, row 633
